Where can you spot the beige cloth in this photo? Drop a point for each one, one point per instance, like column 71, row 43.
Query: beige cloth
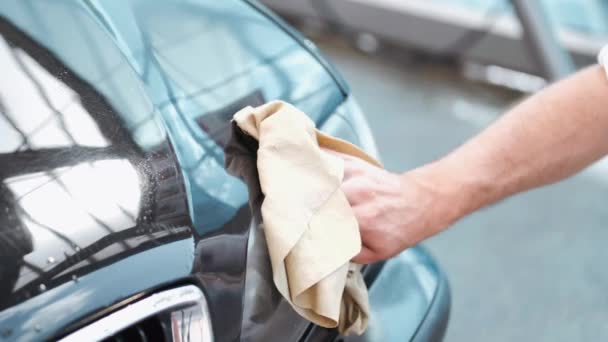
column 310, row 229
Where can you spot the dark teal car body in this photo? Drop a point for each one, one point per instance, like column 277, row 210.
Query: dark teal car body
column 114, row 117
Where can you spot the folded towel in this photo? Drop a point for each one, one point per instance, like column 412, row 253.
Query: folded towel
column 310, row 229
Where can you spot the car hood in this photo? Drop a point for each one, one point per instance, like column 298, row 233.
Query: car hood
column 113, row 186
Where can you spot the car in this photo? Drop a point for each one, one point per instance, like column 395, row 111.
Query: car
column 118, row 218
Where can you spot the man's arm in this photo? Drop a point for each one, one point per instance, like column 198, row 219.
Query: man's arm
column 550, row 136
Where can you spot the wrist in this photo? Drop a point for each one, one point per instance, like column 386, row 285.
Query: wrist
column 455, row 193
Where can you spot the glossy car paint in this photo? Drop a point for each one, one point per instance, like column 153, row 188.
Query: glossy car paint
column 113, row 121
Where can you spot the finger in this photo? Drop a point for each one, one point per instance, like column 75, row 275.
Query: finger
column 365, row 256
column 358, row 190
column 353, row 192
column 351, row 169
column 351, row 165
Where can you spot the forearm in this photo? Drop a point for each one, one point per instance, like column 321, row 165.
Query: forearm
column 551, row 135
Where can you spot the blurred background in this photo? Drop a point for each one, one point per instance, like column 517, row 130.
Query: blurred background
column 429, row 75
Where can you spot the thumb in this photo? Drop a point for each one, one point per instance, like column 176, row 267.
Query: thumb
column 365, row 256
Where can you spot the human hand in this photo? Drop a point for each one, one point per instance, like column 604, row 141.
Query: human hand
column 394, row 211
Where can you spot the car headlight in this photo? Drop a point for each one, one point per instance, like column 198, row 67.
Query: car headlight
column 179, row 314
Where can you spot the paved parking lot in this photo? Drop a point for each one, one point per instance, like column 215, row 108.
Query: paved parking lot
column 532, row 268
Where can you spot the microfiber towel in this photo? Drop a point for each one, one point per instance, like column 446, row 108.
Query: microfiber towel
column 309, row 226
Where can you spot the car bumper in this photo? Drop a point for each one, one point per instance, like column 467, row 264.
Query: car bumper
column 435, row 323
column 409, row 298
